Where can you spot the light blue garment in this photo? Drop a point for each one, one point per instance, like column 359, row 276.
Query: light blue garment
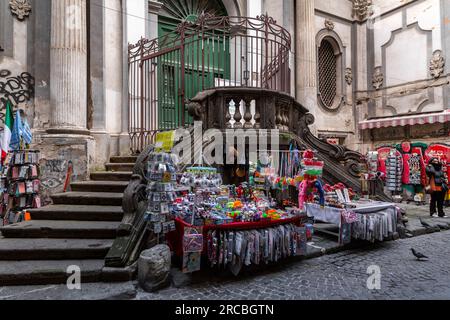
column 17, row 132
column 27, row 135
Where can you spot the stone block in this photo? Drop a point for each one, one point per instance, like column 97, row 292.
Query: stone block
column 154, row 268
column 180, row 279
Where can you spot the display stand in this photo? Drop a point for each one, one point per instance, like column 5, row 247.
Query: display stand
column 175, row 238
column 20, row 185
column 351, row 222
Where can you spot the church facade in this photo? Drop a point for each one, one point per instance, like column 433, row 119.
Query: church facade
column 372, row 72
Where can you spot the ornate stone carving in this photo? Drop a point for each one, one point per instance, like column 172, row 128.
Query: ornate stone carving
column 361, row 8
column 349, row 76
column 437, row 64
column 378, row 78
column 131, row 232
column 21, row 8
column 329, row 25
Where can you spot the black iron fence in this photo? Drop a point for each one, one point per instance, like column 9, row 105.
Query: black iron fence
column 213, row 52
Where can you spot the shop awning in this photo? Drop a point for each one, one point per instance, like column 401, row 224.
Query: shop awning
column 401, row 121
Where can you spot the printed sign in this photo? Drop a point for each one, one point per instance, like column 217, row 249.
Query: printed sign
column 165, row 141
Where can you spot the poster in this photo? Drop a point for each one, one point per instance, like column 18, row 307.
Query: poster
column 165, row 141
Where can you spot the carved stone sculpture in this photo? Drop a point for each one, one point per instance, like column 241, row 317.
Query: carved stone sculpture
column 437, row 64
column 21, row 8
column 378, row 78
column 349, row 76
column 329, row 25
column 361, row 8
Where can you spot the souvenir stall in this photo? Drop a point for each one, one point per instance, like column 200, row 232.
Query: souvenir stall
column 340, row 207
column 403, row 168
column 19, row 174
column 222, row 226
column 234, row 226
column 19, row 186
column 227, row 227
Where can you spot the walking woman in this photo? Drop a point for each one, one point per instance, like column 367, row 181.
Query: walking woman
column 437, row 187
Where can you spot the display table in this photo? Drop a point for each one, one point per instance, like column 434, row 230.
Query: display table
column 368, row 221
column 175, row 238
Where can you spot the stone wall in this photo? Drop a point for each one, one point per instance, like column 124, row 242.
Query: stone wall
column 402, row 41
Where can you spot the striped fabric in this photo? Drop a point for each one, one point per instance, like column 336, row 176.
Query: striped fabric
column 401, row 121
column 26, row 132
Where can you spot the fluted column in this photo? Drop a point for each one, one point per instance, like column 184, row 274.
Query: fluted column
column 68, row 67
column 306, row 64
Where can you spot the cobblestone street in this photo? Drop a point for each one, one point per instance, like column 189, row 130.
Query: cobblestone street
column 339, row 276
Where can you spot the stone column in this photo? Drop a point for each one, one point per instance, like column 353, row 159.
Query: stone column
column 68, row 67
column 67, row 139
column 305, row 55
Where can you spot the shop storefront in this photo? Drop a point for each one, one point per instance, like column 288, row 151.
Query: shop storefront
column 402, row 167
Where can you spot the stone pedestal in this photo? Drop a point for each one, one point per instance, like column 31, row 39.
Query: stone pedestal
column 154, row 268
column 57, row 152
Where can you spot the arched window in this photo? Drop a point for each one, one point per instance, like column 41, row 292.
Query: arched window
column 330, row 64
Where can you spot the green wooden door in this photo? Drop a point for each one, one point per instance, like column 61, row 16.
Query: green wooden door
column 204, row 63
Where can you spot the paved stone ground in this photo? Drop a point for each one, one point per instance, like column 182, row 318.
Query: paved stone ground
column 334, row 276
column 340, row 276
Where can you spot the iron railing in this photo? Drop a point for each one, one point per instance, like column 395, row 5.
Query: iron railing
column 214, row 52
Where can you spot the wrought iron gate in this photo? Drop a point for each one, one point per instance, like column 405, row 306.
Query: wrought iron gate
column 164, row 73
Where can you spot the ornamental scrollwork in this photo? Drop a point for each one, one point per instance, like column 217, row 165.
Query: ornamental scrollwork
column 437, row 64
column 349, row 76
column 329, row 25
column 362, row 8
column 378, row 78
column 21, row 8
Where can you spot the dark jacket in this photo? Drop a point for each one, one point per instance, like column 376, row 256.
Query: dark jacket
column 439, row 176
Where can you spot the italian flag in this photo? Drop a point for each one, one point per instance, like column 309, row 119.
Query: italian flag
column 6, row 138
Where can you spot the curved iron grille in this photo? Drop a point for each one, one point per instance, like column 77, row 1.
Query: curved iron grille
column 327, row 73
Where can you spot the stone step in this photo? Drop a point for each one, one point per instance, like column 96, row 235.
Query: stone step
column 124, row 159
column 14, row 273
column 57, row 229
column 111, row 176
column 99, row 186
column 89, row 198
column 53, row 249
column 78, row 213
column 44, row 272
column 117, row 167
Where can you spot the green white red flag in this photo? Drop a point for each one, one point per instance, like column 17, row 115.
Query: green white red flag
column 7, row 129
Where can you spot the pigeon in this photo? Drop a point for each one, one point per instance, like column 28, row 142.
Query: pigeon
column 425, row 224
column 418, row 255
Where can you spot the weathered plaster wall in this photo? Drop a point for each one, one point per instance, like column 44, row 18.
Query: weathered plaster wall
column 402, row 41
column 340, row 122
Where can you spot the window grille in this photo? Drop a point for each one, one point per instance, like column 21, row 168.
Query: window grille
column 327, row 73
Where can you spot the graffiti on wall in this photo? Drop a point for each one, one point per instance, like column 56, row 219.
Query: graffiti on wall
column 17, row 89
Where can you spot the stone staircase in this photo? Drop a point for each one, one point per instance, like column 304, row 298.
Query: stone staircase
column 78, row 229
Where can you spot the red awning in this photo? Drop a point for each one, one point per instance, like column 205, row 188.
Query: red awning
column 401, row 121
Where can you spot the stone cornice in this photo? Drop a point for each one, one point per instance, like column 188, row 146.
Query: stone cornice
column 403, row 89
